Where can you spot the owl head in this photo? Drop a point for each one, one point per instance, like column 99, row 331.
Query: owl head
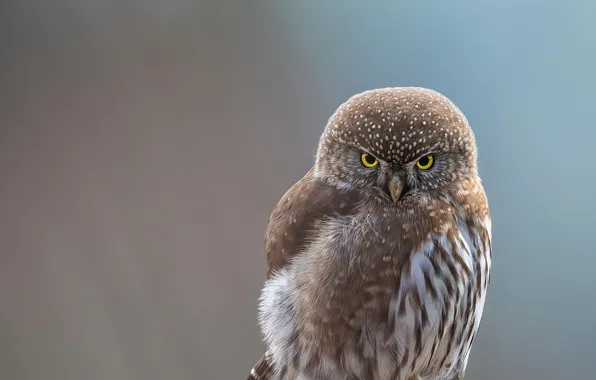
column 396, row 142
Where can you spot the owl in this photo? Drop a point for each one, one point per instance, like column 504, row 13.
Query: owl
column 379, row 257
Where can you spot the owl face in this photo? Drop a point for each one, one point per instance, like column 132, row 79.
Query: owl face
column 397, row 142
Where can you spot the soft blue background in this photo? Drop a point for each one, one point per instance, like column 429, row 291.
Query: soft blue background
column 143, row 145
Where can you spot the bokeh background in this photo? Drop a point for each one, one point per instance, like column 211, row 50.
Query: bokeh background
column 144, row 143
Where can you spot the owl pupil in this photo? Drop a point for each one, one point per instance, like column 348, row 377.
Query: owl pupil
column 424, row 161
column 369, row 159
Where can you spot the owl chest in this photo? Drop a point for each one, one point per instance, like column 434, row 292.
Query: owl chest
column 437, row 309
column 419, row 319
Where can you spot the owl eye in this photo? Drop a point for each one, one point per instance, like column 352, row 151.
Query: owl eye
column 425, row 162
column 368, row 160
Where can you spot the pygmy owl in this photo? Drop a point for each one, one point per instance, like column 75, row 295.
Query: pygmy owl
column 379, row 257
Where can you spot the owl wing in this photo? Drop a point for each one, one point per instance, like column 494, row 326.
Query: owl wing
column 262, row 370
column 291, row 226
column 295, row 217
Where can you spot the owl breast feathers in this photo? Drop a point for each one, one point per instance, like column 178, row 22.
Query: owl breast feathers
column 379, row 257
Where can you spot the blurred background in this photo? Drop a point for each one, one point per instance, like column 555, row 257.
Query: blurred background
column 143, row 145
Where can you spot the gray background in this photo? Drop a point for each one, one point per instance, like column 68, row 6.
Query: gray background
column 143, row 145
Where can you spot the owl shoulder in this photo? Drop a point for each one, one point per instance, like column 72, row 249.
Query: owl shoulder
column 293, row 221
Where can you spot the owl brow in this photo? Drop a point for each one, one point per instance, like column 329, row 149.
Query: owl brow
column 360, row 149
column 426, row 152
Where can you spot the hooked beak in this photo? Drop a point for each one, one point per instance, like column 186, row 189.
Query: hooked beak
column 396, row 185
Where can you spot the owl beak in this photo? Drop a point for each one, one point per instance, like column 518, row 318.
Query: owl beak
column 395, row 186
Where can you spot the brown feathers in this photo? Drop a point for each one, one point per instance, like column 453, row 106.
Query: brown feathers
column 368, row 282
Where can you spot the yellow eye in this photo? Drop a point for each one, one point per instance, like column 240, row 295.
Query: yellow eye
column 368, row 160
column 425, row 162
